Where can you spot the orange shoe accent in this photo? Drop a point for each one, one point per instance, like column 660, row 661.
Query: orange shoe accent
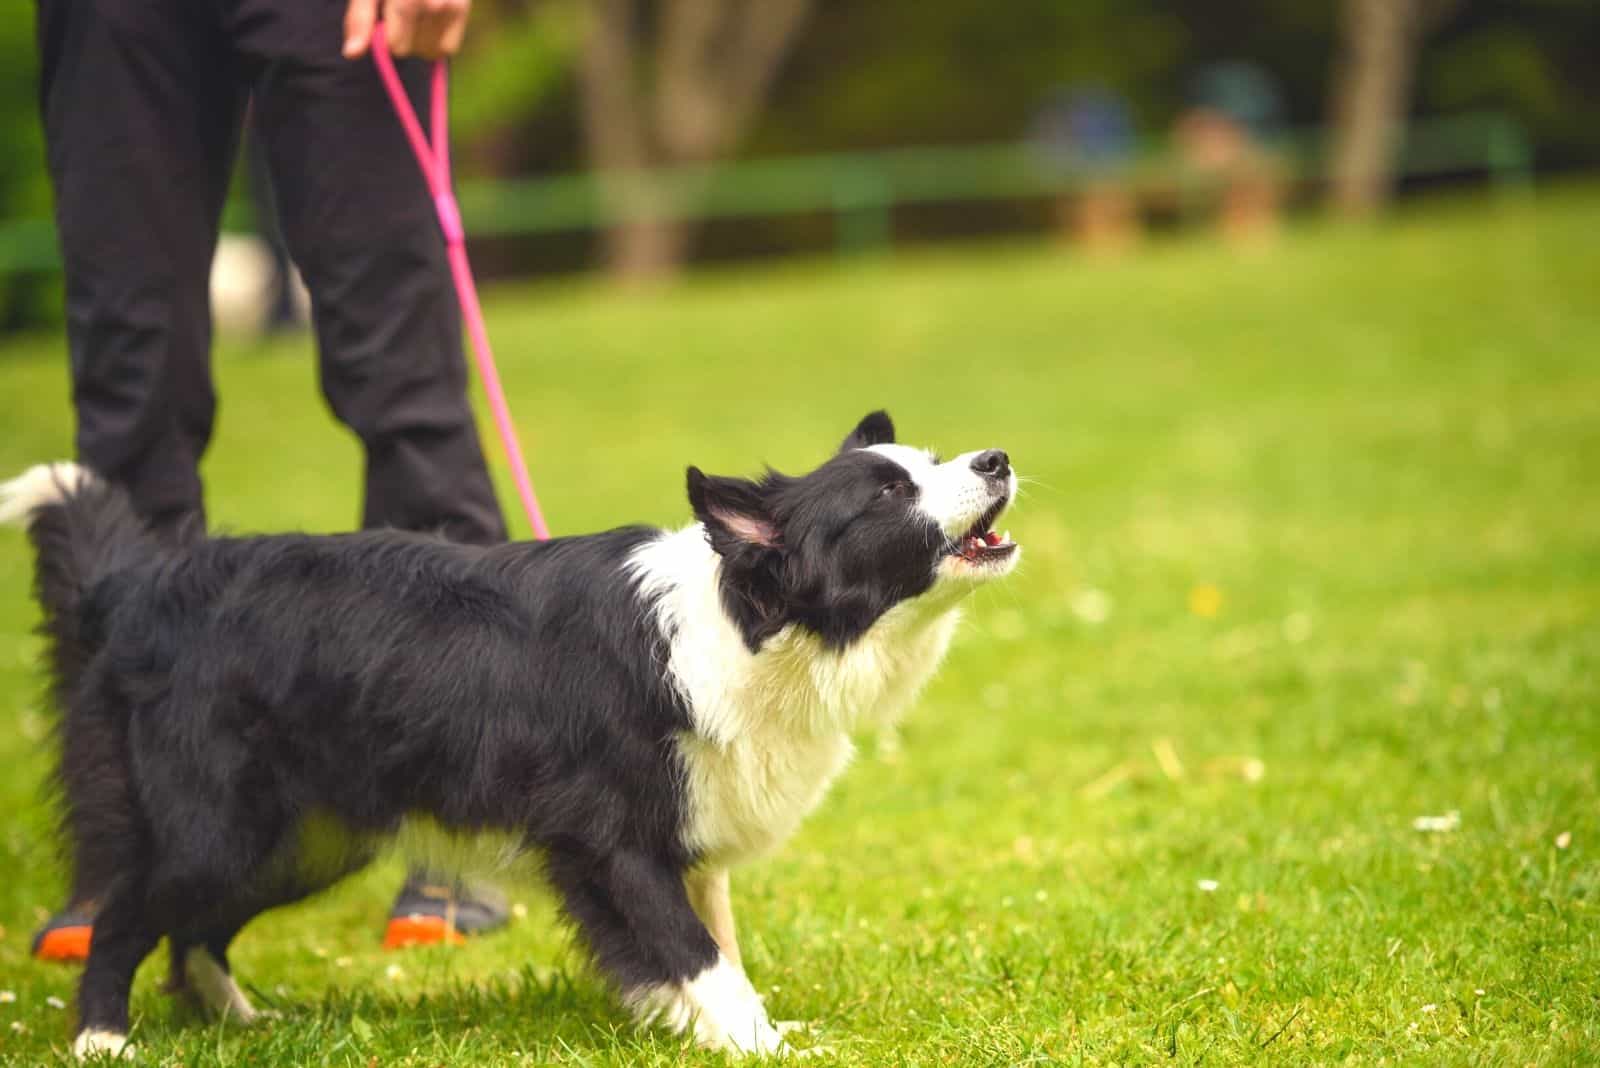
column 67, row 944
column 418, row 930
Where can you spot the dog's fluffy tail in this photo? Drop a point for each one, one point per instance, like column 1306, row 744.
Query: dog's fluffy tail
column 38, row 488
column 82, row 528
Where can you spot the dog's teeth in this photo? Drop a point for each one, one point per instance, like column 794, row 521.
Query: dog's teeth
column 1005, row 539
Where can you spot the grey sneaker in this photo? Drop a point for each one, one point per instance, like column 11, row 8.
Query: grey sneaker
column 428, row 911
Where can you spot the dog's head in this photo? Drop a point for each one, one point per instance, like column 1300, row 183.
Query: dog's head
column 876, row 525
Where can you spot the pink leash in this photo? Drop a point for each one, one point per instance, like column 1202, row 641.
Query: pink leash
column 434, row 160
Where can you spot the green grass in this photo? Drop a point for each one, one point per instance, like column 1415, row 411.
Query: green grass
column 1333, row 507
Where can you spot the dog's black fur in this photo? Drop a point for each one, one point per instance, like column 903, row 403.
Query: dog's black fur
column 218, row 695
column 362, row 677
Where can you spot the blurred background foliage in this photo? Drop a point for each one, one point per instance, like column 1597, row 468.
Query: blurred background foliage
column 557, row 86
column 912, row 72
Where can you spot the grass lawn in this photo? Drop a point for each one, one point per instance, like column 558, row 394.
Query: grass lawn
column 1312, row 550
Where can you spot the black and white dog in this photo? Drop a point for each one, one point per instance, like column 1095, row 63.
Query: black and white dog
column 246, row 720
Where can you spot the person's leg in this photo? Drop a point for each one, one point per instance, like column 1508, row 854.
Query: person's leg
column 140, row 111
column 359, row 222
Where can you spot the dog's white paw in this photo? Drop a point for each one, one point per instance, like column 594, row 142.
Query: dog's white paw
column 786, row 1028
column 719, row 1008
column 754, row 1037
column 101, row 1044
column 761, row 1038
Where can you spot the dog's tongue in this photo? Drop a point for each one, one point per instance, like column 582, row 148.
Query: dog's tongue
column 991, row 538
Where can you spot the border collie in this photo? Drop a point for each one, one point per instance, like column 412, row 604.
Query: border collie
column 246, row 720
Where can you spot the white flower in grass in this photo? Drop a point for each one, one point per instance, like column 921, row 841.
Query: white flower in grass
column 1450, row 821
column 1207, row 886
column 1563, row 839
column 55, row 1002
column 1429, row 1008
column 19, row 1027
column 394, row 973
column 7, row 996
column 1092, row 606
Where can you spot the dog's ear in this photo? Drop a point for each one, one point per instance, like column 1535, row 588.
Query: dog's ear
column 734, row 511
column 875, row 429
column 739, row 524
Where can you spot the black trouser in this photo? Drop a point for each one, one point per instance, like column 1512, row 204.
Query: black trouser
column 143, row 102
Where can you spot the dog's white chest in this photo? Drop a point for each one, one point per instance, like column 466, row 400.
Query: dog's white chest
column 747, row 797
column 769, row 735
column 770, row 731
column 774, row 733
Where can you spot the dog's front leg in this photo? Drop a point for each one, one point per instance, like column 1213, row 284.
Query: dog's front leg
column 634, row 910
column 708, row 893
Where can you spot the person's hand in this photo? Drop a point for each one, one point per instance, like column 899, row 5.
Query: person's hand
column 426, row 28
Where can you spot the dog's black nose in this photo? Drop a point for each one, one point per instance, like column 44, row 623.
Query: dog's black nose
column 992, row 463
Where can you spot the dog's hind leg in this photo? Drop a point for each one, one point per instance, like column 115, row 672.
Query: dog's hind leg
column 200, row 968
column 212, row 981
column 123, row 937
column 634, row 911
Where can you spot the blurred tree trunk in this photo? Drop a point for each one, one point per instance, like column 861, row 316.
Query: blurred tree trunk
column 1372, row 87
column 687, row 103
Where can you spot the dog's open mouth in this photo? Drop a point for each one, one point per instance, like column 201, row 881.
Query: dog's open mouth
column 980, row 544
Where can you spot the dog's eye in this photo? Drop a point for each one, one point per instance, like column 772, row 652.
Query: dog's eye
column 896, row 489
